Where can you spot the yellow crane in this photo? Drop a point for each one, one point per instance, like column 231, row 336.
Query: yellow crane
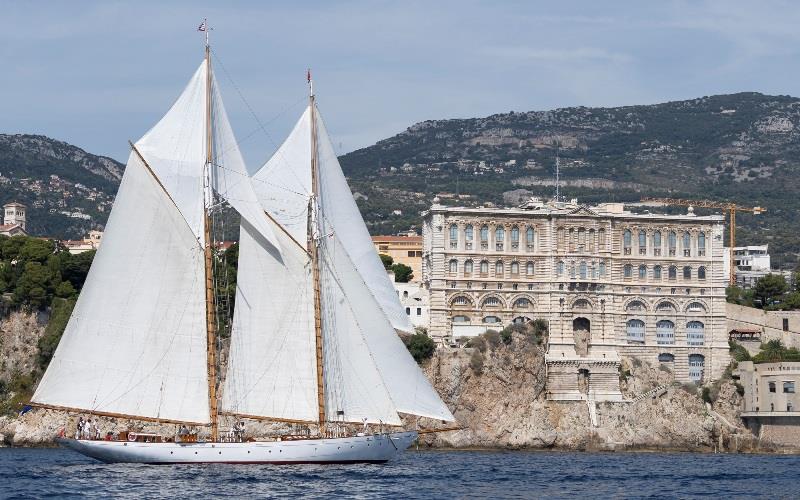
column 722, row 205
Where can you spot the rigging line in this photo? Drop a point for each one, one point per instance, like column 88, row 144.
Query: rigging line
column 260, row 180
column 261, row 124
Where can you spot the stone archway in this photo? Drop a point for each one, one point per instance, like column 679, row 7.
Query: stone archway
column 581, row 333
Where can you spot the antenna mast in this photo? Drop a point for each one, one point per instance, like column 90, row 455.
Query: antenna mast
column 208, row 200
column 312, row 245
column 558, row 180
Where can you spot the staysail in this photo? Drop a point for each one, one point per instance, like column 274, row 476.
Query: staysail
column 136, row 343
column 283, row 186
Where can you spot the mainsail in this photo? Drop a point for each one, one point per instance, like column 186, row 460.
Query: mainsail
column 368, row 373
column 136, row 342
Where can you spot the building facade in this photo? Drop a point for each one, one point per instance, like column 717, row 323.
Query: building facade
column 771, row 406
column 414, row 299
column 14, row 221
column 608, row 281
column 403, row 249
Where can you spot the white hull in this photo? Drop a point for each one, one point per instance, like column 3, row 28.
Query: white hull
column 376, row 448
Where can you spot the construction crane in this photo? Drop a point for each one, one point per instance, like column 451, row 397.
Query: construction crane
column 722, row 205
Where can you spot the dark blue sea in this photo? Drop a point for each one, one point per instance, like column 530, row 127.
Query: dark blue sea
column 57, row 473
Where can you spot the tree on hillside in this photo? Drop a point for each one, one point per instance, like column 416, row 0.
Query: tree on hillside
column 402, row 273
column 769, row 289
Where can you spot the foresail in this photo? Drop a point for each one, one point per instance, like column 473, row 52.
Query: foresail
column 409, row 389
column 136, row 341
column 272, row 365
column 354, row 388
column 341, row 211
column 283, row 184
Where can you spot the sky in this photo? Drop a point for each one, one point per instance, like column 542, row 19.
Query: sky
column 98, row 73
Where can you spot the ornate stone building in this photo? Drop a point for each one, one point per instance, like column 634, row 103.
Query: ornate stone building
column 608, row 281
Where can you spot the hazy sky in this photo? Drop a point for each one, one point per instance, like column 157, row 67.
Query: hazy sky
column 96, row 74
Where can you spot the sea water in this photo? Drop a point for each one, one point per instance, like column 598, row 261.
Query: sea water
column 59, row 473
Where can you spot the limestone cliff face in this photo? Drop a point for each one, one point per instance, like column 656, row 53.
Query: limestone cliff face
column 19, row 336
column 503, row 405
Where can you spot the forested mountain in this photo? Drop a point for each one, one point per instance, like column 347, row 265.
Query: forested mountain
column 741, row 147
column 67, row 190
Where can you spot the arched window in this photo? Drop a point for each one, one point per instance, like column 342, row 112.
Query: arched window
column 491, row 302
column 642, row 272
column 468, row 267
column 701, row 244
column 515, row 268
column 491, row 319
column 484, row 267
column 627, row 271
column 582, row 304
column 696, row 307
column 672, row 243
column 582, row 238
column 460, row 319
column 522, row 303
column 665, row 332
column 498, row 268
column 529, row 237
column 453, row 266
column 697, row 365
column 499, row 237
column 453, row 232
column 666, row 357
column 642, row 242
column 626, row 241
column 695, row 333
column 529, row 268
column 591, row 240
column 560, row 268
column 582, row 270
column 657, row 272
column 484, row 234
column 701, row 272
column 673, row 272
column 601, row 238
column 657, row 243
column 665, row 307
column 461, row 300
column 687, row 244
column 560, row 237
column 634, row 330
column 468, row 232
column 636, row 305
column 687, row 272
column 515, row 235
column 602, row 268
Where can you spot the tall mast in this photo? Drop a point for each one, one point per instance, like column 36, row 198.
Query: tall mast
column 211, row 309
column 313, row 230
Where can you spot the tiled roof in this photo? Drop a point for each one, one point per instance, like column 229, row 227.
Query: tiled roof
column 398, row 239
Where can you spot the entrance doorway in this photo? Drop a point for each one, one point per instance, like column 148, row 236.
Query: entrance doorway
column 581, row 331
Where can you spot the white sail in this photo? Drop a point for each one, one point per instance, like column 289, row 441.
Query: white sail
column 272, row 364
column 283, row 185
column 175, row 148
column 136, row 341
column 354, row 388
column 409, row 389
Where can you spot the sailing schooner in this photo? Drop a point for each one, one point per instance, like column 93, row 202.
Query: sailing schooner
column 313, row 338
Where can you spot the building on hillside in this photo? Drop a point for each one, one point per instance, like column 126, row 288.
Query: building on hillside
column 90, row 242
column 752, row 263
column 768, row 325
column 771, row 405
column 403, row 249
column 14, row 220
column 414, row 299
column 608, row 281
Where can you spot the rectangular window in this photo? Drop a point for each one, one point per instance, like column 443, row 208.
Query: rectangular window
column 419, row 311
column 410, row 253
column 788, row 387
column 785, row 324
column 408, row 311
column 772, row 387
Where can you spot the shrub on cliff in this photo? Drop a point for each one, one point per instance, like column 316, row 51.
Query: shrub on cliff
column 476, row 362
column 419, row 345
column 738, row 351
column 61, row 310
column 774, row 351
